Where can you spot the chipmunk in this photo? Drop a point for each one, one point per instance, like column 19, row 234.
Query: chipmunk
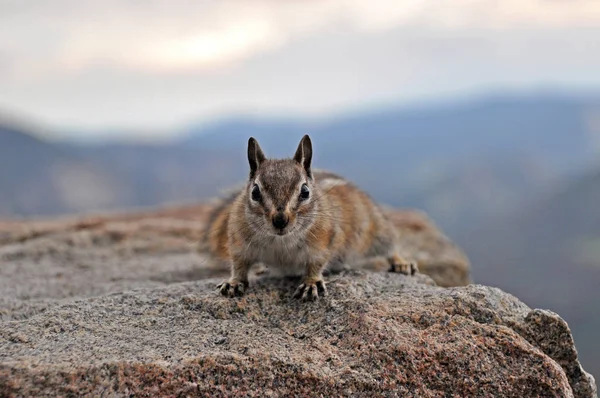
column 299, row 221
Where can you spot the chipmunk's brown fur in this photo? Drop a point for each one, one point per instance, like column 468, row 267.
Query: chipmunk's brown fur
column 299, row 221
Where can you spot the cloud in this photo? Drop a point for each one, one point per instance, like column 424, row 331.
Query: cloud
column 155, row 64
column 168, row 36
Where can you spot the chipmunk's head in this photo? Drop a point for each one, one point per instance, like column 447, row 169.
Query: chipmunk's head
column 281, row 193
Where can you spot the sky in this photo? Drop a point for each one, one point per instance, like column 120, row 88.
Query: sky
column 152, row 67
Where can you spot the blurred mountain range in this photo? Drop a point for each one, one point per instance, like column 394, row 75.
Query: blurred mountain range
column 456, row 161
column 514, row 180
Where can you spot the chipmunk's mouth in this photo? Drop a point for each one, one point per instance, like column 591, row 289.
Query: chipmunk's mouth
column 283, row 231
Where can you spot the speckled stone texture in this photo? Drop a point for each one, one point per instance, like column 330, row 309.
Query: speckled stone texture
column 374, row 335
column 51, row 262
column 124, row 306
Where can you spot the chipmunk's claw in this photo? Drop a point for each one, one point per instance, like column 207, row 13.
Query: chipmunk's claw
column 401, row 266
column 232, row 288
column 311, row 291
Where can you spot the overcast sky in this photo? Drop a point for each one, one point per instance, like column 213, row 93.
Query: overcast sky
column 152, row 66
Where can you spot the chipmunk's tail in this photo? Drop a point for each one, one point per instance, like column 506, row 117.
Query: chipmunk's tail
column 211, row 243
column 212, row 246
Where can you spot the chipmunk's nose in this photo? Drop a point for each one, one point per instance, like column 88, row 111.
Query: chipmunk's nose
column 280, row 220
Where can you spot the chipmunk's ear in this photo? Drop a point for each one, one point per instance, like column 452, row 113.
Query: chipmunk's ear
column 255, row 156
column 304, row 154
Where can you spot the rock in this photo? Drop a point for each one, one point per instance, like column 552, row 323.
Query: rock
column 375, row 334
column 552, row 335
column 124, row 305
column 49, row 262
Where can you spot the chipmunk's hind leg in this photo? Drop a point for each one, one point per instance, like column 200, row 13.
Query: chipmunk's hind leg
column 385, row 245
column 392, row 263
column 399, row 264
column 384, row 256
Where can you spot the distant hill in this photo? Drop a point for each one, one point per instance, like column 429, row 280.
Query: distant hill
column 552, row 126
column 459, row 162
column 41, row 178
column 160, row 174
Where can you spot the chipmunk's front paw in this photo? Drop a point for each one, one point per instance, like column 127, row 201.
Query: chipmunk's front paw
column 311, row 291
column 401, row 266
column 233, row 288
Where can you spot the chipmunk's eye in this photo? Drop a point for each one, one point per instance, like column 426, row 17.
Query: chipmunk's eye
column 256, row 193
column 304, row 192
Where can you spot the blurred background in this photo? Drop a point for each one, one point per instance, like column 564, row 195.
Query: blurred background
column 484, row 114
